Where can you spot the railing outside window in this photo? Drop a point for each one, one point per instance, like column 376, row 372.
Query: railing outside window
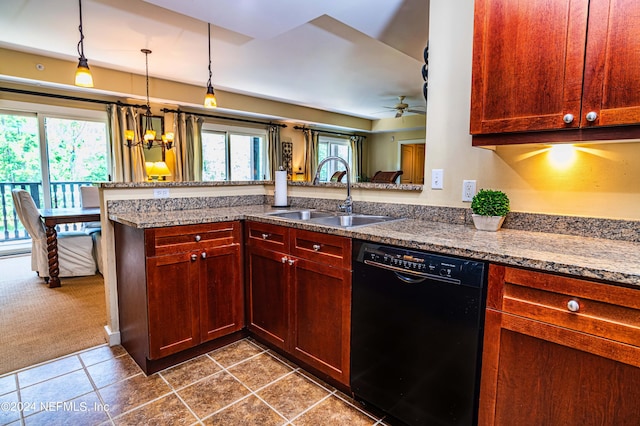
column 63, row 195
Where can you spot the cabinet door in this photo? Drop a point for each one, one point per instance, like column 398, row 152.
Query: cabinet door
column 268, row 295
column 612, row 67
column 321, row 317
column 538, row 374
column 221, row 290
column 528, row 59
column 172, row 294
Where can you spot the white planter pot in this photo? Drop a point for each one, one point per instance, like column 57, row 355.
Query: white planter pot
column 487, row 223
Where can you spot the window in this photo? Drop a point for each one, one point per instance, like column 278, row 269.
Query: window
column 51, row 151
column 333, row 146
column 233, row 154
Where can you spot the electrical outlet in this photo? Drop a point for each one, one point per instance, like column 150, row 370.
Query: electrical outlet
column 468, row 190
column 437, row 175
column 160, row 192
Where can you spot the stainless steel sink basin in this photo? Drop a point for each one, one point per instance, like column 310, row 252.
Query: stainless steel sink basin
column 350, row 221
column 301, row 214
column 332, row 218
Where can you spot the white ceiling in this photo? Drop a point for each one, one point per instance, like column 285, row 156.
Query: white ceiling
column 348, row 56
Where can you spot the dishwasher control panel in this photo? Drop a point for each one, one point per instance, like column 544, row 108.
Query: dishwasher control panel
column 421, row 264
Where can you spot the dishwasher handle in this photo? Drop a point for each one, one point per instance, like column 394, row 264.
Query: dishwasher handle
column 409, row 280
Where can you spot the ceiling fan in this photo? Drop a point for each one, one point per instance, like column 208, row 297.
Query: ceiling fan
column 401, row 107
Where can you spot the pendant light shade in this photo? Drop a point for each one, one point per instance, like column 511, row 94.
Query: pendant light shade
column 210, row 100
column 83, row 74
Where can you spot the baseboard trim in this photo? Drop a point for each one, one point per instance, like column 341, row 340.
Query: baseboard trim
column 113, row 337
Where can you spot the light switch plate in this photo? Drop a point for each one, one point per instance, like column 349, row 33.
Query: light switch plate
column 437, row 175
column 160, row 192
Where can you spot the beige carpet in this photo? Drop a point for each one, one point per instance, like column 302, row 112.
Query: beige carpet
column 38, row 323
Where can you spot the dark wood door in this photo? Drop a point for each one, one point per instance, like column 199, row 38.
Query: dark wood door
column 172, row 294
column 527, row 64
column 268, row 275
column 221, row 291
column 321, row 317
column 612, row 64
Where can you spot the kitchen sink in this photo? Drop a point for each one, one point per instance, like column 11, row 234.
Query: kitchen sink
column 353, row 220
column 301, row 214
column 332, row 218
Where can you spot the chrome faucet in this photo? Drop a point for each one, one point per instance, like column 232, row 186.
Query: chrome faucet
column 347, row 206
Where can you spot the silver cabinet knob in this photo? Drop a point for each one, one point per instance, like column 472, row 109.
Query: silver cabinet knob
column 568, row 118
column 573, row 305
column 198, row 238
column 194, row 257
column 591, row 116
column 203, row 255
column 265, row 236
column 316, row 247
column 284, row 259
column 291, row 262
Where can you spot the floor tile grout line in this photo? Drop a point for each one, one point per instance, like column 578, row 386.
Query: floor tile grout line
column 40, row 364
column 175, row 392
column 337, row 395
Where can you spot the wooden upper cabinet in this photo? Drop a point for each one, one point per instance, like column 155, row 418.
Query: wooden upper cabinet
column 541, row 65
column 612, row 64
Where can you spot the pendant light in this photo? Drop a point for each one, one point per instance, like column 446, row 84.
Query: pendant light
column 210, row 98
column 83, row 74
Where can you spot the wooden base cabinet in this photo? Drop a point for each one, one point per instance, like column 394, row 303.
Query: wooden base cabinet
column 559, row 351
column 299, row 295
column 178, row 287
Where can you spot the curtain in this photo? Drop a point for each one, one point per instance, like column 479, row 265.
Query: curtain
column 356, row 151
column 274, row 150
column 188, row 148
column 127, row 164
column 310, row 154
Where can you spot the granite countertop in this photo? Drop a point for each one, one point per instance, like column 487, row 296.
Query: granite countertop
column 595, row 258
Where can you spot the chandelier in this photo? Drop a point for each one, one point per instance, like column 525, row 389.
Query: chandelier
column 146, row 123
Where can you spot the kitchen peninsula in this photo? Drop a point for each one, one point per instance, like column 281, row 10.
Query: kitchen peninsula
column 600, row 265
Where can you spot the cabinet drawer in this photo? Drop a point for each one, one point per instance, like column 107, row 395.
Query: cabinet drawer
column 323, row 248
column 179, row 239
column 268, row 236
column 602, row 310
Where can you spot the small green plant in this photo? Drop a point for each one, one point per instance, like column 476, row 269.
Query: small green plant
column 489, row 202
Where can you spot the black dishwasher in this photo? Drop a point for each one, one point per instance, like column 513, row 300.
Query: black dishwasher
column 417, row 326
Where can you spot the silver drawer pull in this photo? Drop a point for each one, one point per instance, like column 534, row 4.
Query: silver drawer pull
column 194, row 257
column 316, row 247
column 291, row 262
column 573, row 305
column 265, row 236
column 568, row 118
column 203, row 255
column 198, row 238
column 284, row 259
column 591, row 116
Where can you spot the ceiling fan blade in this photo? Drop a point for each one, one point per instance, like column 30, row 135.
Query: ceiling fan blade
column 399, row 113
column 417, row 111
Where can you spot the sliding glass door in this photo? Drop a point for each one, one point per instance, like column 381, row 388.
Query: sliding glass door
column 50, row 152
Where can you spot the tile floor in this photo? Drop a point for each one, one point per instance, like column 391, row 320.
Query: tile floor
column 243, row 383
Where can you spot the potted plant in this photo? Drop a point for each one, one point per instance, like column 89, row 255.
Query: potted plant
column 489, row 207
